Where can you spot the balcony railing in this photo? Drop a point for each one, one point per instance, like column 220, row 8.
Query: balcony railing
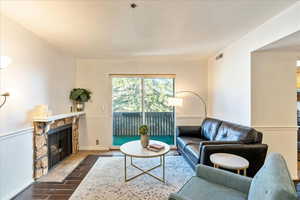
column 128, row 123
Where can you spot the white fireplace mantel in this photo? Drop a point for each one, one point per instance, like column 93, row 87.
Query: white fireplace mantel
column 57, row 117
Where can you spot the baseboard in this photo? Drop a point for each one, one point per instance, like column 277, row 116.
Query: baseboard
column 16, row 192
column 114, row 148
column 95, row 147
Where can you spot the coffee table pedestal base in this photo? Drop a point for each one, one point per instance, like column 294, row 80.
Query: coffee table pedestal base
column 162, row 164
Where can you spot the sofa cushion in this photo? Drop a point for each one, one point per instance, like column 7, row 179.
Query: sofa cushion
column 189, row 146
column 273, row 181
column 235, row 132
column 197, row 188
column 183, row 141
column 194, row 147
column 192, row 152
column 189, row 140
column 209, row 128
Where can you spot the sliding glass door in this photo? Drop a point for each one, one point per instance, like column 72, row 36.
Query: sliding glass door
column 127, row 108
column 142, row 100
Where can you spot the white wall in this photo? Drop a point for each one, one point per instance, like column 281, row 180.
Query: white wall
column 93, row 74
column 229, row 87
column 273, row 88
column 230, row 78
column 39, row 74
column 274, row 101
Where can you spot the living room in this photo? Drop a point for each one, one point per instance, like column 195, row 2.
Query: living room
column 207, row 61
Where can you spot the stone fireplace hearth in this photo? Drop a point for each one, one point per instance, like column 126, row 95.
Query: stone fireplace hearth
column 42, row 128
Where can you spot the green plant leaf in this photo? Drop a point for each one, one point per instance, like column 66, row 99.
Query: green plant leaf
column 143, row 130
column 80, row 95
column 83, row 97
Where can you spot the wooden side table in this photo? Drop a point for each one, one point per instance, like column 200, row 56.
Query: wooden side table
column 230, row 161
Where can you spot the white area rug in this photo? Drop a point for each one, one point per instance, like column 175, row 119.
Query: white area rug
column 105, row 181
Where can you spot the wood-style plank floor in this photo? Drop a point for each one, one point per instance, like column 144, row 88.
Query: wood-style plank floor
column 64, row 190
column 59, row 191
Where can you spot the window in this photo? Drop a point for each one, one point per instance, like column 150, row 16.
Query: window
column 138, row 100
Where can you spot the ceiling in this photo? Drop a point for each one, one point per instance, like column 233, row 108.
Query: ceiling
column 289, row 43
column 111, row 29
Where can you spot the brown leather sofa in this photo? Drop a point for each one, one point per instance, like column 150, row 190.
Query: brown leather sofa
column 197, row 143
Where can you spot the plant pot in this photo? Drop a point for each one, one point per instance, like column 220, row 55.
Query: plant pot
column 79, row 106
column 144, row 140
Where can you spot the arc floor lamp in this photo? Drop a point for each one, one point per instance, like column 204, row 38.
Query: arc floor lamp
column 177, row 101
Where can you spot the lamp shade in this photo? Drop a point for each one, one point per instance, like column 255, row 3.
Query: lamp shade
column 174, row 101
column 298, row 63
column 4, row 61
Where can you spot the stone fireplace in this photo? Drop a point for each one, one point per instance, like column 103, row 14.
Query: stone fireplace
column 44, row 130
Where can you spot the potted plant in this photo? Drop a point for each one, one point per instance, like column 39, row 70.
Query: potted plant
column 79, row 96
column 143, row 131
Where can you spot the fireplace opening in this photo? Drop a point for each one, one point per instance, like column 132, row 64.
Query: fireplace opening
column 59, row 144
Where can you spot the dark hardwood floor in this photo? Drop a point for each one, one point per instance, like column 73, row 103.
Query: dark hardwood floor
column 64, row 190
column 55, row 190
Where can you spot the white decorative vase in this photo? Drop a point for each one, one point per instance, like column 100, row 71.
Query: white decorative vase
column 144, row 140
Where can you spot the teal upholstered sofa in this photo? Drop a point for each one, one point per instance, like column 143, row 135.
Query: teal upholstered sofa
column 272, row 182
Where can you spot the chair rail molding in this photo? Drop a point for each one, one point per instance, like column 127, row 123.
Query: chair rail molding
column 16, row 133
column 188, row 120
column 276, row 129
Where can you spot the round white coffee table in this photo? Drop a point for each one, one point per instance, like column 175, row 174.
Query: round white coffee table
column 230, row 161
column 135, row 149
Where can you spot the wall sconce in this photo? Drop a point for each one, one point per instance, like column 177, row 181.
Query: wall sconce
column 4, row 62
column 5, row 95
